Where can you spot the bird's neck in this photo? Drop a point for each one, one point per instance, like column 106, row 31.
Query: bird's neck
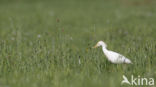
column 104, row 49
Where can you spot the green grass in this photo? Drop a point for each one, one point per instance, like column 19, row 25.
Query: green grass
column 42, row 42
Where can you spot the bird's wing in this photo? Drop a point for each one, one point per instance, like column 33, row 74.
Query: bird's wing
column 115, row 54
column 123, row 59
column 118, row 58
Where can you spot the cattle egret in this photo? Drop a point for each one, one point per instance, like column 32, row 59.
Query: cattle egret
column 112, row 56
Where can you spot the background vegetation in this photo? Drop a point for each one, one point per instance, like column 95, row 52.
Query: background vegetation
column 48, row 43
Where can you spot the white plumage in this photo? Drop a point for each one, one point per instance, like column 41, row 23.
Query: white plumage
column 112, row 56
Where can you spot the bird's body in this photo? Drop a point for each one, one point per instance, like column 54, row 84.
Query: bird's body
column 111, row 55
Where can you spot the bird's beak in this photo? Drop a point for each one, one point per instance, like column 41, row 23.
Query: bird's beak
column 95, row 46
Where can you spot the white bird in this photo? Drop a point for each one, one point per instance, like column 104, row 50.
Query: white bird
column 112, row 56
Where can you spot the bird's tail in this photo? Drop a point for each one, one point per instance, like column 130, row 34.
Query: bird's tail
column 128, row 61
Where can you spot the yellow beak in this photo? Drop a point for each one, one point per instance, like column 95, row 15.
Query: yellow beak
column 95, row 46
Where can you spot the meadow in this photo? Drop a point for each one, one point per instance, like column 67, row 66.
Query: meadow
column 48, row 43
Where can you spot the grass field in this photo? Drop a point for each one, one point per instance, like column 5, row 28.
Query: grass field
column 49, row 43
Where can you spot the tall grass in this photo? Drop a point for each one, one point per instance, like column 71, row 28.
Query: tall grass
column 48, row 43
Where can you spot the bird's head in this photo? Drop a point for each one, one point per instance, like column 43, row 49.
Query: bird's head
column 100, row 43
